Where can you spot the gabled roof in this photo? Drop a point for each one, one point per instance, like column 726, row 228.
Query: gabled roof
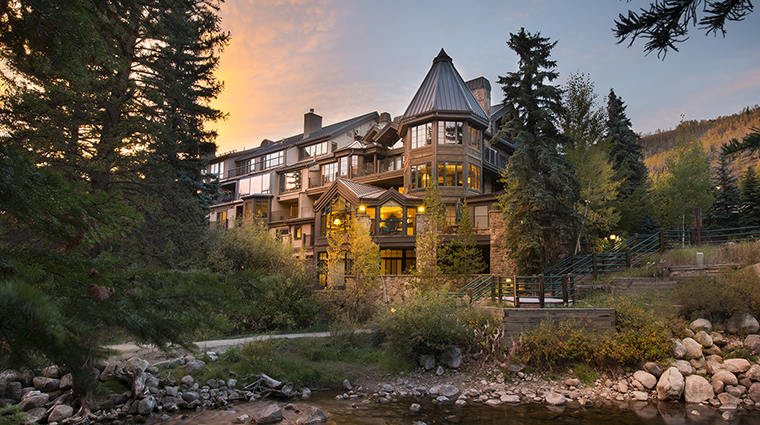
column 443, row 89
column 355, row 192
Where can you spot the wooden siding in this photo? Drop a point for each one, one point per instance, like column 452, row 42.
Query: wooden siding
column 517, row 321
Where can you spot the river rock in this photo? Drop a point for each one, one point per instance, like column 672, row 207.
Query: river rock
column 752, row 343
column 701, row 325
column 13, row 391
column 677, row 350
column 452, row 358
column 510, row 398
column 427, row 361
column 726, row 377
column 194, row 365
column 36, row 415
column 655, row 368
column 555, row 399
column 753, row 373
column 146, row 405
column 268, row 415
column 112, row 371
column 311, row 415
column 718, row 338
column 697, row 389
column 703, row 339
column 573, row 382
column 754, row 392
column 34, row 401
column 67, row 382
column 46, row 385
column 415, row 407
column 728, row 402
column 439, row 371
column 671, row 384
column 693, row 348
column 683, row 366
column 736, row 365
column 190, row 396
column 640, row 395
column 305, row 393
column 448, row 391
column 135, row 366
column 60, row 413
column 645, row 378
column 742, row 323
column 51, row 372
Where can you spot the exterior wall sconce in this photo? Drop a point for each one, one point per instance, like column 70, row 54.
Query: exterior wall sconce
column 336, row 222
column 362, row 208
column 421, row 209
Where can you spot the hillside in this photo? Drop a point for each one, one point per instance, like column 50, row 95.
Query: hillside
column 711, row 133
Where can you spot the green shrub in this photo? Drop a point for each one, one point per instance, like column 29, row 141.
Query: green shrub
column 429, row 322
column 731, row 291
column 12, row 415
column 260, row 351
column 555, row 345
column 585, row 373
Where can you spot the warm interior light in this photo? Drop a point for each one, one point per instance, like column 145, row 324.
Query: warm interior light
column 613, row 237
column 362, row 208
column 336, row 222
column 421, row 209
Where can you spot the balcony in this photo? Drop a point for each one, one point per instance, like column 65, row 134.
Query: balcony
column 224, row 197
column 292, row 213
column 393, row 163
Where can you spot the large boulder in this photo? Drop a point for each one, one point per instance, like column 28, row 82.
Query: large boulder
column 726, row 377
column 677, row 350
column 752, row 343
column 742, row 323
column 736, row 365
column 268, row 415
column 671, row 385
column 448, row 391
column 697, row 389
column 701, row 325
column 754, row 392
column 34, row 401
column 683, row 366
column 194, row 365
column 555, row 399
column 452, row 357
column 693, row 348
column 46, row 385
column 645, row 378
column 112, row 372
column 703, row 339
column 427, row 361
column 52, row 372
column 146, row 405
column 60, row 413
column 311, row 415
column 753, row 373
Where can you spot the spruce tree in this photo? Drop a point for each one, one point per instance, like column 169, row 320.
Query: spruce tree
column 540, row 184
column 628, row 163
column 725, row 210
column 750, row 199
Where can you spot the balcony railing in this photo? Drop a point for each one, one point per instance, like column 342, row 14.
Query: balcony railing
column 393, row 163
column 223, row 198
column 305, row 212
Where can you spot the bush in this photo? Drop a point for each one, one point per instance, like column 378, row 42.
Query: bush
column 731, row 291
column 429, row 323
column 556, row 345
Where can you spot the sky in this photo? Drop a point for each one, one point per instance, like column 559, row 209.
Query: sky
column 346, row 58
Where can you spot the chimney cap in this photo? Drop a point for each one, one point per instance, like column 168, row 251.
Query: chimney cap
column 311, row 110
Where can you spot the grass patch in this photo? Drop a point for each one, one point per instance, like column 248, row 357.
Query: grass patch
column 585, row 373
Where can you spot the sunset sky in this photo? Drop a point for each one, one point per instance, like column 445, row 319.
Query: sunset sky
column 346, row 58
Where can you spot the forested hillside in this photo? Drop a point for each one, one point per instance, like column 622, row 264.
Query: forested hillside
column 711, row 133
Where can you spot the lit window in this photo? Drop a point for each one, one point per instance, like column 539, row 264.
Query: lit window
column 476, row 137
column 421, row 175
column 450, row 174
column 473, row 177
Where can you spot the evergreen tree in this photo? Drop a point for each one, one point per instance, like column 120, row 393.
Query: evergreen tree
column 725, row 210
column 628, row 163
column 750, row 199
column 540, row 184
column 584, row 124
column 461, row 259
column 427, row 274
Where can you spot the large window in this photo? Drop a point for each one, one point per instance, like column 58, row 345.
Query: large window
column 343, row 166
column 254, row 185
column 336, row 217
column 473, row 177
column 480, row 218
column 476, row 137
column 329, row 172
column 217, row 170
column 257, row 208
column 450, row 132
column 315, row 150
column 450, row 215
column 354, row 165
column 411, row 220
column 397, row 261
column 450, row 174
column 421, row 175
column 391, row 219
column 274, row 159
column 290, row 182
column 422, row 135
column 372, row 219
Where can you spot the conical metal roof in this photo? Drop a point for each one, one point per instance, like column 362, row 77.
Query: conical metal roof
column 444, row 90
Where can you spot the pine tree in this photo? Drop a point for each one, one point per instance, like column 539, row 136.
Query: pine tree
column 628, row 163
column 725, row 210
column 750, row 199
column 540, row 184
column 427, row 274
column 461, row 259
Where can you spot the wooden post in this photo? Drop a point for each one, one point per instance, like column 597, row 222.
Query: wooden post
column 662, row 241
column 564, row 290
column 498, row 280
column 627, row 258
column 469, row 295
column 594, row 266
column 493, row 290
column 541, row 291
column 514, row 289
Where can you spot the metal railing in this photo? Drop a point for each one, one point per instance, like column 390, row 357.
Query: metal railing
column 393, row 163
column 305, row 212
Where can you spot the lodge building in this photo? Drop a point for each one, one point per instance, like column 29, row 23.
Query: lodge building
column 310, row 183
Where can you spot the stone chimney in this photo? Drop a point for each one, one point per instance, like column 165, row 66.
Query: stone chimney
column 481, row 89
column 312, row 123
column 385, row 118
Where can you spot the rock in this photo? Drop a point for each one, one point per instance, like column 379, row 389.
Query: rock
column 728, row 416
column 752, row 343
column 311, row 415
column 34, row 401
column 622, row 387
column 448, row 391
column 713, row 349
column 510, row 398
column 655, row 368
column 703, row 339
column 67, row 382
column 693, row 348
column 726, row 377
column 190, row 396
column 60, row 413
column 112, row 372
column 167, row 402
column 671, row 384
column 677, row 350
column 51, row 372
column 460, row 403
column 187, row 381
column 268, row 415
column 415, row 407
column 347, row 385
column 516, row 367
column 754, row 392
column 718, row 338
column 170, row 363
column 427, row 361
column 647, row 379
column 36, row 415
column 493, row 402
column 697, row 364
column 136, row 366
column 146, row 405
column 754, row 373
column 572, row 382
column 742, row 323
column 555, row 399
column 640, row 395
column 305, row 394
column 718, row 386
column 242, row 419
column 194, row 365
column 439, row 371
column 13, row 391
column 728, row 402
column 683, row 366
column 736, row 365
column 232, row 383
column 452, row 358
column 701, row 325
column 46, row 385
column 697, row 389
